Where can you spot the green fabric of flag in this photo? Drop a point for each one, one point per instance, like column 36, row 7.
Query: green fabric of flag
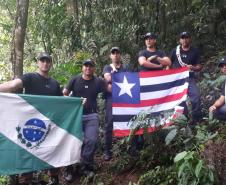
column 39, row 132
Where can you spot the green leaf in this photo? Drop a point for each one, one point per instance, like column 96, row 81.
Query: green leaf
column 170, row 136
column 206, row 75
column 181, row 169
column 190, row 155
column 198, row 168
column 210, row 116
column 211, row 176
column 180, row 156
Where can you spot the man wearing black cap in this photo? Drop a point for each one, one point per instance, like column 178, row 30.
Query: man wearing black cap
column 39, row 83
column 219, row 106
column 151, row 58
column 115, row 66
column 87, row 86
column 186, row 55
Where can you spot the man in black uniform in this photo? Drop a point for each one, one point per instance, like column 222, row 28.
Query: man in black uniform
column 36, row 84
column 219, row 106
column 115, row 66
column 186, row 55
column 151, row 58
column 87, row 86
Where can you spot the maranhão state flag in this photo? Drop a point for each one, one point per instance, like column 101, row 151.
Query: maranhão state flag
column 150, row 91
column 39, row 132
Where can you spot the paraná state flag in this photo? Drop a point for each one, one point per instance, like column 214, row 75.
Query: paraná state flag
column 39, row 132
column 152, row 91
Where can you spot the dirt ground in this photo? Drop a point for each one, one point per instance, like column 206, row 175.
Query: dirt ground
column 103, row 176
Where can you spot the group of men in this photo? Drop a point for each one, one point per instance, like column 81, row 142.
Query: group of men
column 88, row 86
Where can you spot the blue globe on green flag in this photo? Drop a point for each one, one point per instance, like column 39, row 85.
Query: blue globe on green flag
column 34, row 129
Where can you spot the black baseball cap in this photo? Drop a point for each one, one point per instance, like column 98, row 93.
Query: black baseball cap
column 115, row 49
column 185, row 34
column 150, row 35
column 89, row 62
column 45, row 55
column 222, row 61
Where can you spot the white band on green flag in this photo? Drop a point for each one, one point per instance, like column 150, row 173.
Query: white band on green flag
column 24, row 125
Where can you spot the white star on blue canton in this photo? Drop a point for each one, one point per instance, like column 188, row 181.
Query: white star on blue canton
column 125, row 87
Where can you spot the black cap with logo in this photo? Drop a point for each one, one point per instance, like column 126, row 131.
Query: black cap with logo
column 150, row 35
column 185, row 34
column 44, row 55
column 89, row 62
column 115, row 49
column 222, row 61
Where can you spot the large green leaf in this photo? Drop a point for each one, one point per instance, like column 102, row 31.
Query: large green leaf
column 180, row 156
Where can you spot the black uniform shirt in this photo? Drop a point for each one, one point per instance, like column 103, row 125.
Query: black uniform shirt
column 87, row 89
column 145, row 53
column 35, row 84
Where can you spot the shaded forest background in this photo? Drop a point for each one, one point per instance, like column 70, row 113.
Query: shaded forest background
column 74, row 30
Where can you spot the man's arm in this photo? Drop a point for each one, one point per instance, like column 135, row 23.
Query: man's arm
column 165, row 61
column 196, row 67
column 11, row 86
column 68, row 88
column 196, row 64
column 148, row 62
column 218, row 103
column 107, row 79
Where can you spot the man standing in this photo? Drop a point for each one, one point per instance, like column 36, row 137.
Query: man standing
column 186, row 55
column 36, row 84
column 87, row 86
column 151, row 58
column 115, row 66
column 219, row 106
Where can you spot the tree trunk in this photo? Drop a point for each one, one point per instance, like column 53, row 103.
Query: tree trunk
column 18, row 37
column 73, row 11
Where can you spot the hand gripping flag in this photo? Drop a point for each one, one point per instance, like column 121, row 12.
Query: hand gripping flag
column 152, row 91
column 39, row 132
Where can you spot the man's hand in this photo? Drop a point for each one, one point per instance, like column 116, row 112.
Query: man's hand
column 84, row 100
column 113, row 68
column 212, row 108
column 154, row 57
column 190, row 67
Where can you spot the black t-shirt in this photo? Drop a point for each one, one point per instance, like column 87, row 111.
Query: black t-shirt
column 190, row 57
column 123, row 68
column 87, row 89
column 34, row 83
column 223, row 89
column 108, row 69
column 145, row 53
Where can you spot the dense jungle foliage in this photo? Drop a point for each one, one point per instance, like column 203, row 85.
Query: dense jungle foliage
column 73, row 30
